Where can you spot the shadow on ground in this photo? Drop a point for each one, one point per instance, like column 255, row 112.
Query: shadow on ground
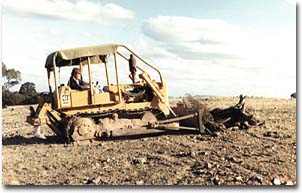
column 20, row 140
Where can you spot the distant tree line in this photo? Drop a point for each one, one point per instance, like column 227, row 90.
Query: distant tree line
column 27, row 93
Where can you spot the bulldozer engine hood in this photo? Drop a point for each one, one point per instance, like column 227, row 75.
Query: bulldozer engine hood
column 73, row 56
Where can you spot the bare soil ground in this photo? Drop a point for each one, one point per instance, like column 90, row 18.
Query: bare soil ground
column 262, row 155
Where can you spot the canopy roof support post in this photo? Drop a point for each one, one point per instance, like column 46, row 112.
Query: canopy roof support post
column 90, row 82
column 48, row 81
column 117, row 81
column 107, row 75
column 81, row 66
column 55, row 77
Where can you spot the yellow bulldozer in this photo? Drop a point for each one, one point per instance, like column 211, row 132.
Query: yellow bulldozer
column 116, row 109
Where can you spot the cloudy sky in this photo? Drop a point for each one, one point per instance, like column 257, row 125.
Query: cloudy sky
column 205, row 47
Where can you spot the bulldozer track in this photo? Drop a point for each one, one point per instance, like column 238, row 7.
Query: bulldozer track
column 70, row 120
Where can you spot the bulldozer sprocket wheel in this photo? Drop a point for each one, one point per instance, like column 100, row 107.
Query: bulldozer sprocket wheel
column 82, row 129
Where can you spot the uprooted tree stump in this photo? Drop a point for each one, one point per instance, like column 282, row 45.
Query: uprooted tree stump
column 219, row 119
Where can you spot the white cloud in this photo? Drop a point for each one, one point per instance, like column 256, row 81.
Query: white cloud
column 86, row 34
column 82, row 10
column 216, row 40
column 184, row 29
column 292, row 2
column 53, row 31
column 196, row 38
column 217, row 57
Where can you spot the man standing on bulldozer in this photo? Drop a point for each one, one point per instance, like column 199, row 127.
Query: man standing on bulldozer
column 132, row 68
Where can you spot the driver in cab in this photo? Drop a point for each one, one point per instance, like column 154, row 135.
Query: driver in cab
column 76, row 80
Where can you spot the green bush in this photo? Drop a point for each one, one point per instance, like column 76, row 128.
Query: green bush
column 15, row 98
column 7, row 99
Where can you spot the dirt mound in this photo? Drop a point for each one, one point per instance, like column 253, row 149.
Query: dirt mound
column 218, row 119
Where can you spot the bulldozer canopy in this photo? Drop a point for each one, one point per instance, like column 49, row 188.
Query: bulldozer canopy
column 73, row 56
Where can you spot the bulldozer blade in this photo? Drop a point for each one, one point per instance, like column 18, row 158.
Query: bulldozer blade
column 32, row 111
column 190, row 118
column 200, row 122
column 137, row 131
column 193, row 122
column 170, row 109
column 178, row 118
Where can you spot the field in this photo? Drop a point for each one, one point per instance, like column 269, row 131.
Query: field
column 262, row 155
